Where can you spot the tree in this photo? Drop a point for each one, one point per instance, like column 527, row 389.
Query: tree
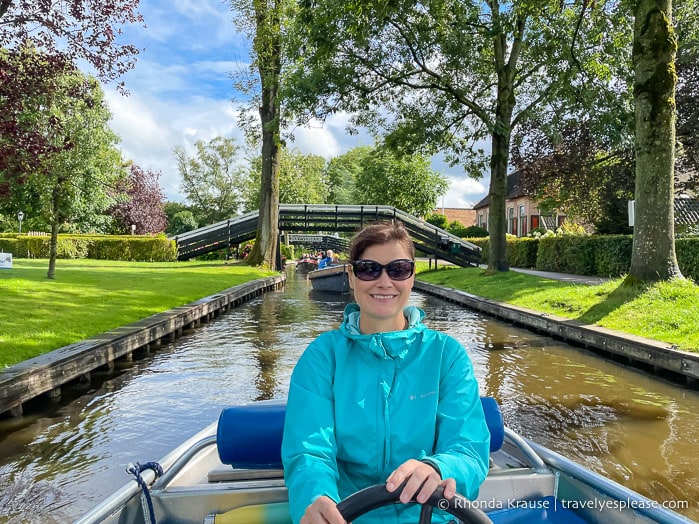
column 301, row 180
column 653, row 256
column 212, row 180
column 581, row 170
column 182, row 222
column 687, row 163
column 140, row 203
column 26, row 76
column 263, row 21
column 79, row 29
column 341, row 174
column 452, row 73
column 405, row 182
column 180, row 218
column 75, row 180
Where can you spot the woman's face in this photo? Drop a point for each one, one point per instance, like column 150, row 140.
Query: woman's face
column 382, row 300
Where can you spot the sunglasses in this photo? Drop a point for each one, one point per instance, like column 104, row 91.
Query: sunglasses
column 367, row 270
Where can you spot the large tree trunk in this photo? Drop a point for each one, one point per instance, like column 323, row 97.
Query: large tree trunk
column 506, row 68
column 265, row 251
column 500, row 154
column 654, row 49
column 268, row 48
column 497, row 221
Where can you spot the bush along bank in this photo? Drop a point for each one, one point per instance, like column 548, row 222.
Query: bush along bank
column 594, row 255
column 102, row 247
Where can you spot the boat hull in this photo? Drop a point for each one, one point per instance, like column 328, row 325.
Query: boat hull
column 332, row 279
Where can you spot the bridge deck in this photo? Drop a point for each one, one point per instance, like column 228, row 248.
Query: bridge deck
column 298, row 218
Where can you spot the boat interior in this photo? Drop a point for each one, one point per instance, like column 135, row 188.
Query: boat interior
column 231, row 472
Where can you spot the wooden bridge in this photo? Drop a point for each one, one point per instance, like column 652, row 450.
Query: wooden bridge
column 299, row 218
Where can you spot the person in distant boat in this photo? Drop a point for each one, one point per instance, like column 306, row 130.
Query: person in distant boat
column 382, row 398
column 328, row 260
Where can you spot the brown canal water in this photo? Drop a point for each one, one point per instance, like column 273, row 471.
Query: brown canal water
column 60, row 459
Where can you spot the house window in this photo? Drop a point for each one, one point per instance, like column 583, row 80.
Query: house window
column 511, row 221
column 522, row 222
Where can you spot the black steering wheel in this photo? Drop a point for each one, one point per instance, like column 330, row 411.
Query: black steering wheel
column 377, row 496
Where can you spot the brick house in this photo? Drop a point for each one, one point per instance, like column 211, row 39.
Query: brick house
column 522, row 212
column 466, row 217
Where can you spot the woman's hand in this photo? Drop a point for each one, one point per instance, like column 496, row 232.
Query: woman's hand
column 423, row 479
column 322, row 511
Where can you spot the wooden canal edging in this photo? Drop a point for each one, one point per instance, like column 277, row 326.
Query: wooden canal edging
column 634, row 350
column 46, row 373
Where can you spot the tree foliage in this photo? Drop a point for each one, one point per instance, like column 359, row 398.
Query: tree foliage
column 180, row 218
column 447, row 74
column 406, row 182
column 578, row 172
column 73, row 29
column 28, row 78
column 212, row 179
column 341, row 174
column 301, row 180
column 140, row 203
column 72, row 184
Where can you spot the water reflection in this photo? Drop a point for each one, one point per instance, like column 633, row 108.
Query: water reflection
column 61, row 458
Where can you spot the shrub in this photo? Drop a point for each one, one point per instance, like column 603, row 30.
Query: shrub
column 474, row 232
column 688, row 257
column 521, row 252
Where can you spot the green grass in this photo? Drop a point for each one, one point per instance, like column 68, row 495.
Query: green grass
column 665, row 311
column 88, row 297
column 92, row 296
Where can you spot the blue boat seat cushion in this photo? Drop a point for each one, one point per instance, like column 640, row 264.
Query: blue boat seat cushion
column 250, row 436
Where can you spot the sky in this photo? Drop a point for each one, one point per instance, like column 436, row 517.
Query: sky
column 181, row 91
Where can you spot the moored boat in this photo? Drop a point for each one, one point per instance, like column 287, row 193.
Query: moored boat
column 231, row 472
column 332, row 279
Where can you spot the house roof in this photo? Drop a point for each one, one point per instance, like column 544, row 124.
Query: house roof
column 467, row 217
column 686, row 211
column 515, row 189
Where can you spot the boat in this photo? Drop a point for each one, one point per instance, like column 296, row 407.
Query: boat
column 231, row 472
column 333, row 279
column 306, row 264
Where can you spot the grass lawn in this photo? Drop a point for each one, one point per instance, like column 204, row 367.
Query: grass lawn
column 88, row 297
column 666, row 311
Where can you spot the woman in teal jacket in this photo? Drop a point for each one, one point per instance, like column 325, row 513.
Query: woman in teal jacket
column 382, row 398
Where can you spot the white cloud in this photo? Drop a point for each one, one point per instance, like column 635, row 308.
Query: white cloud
column 463, row 192
column 150, row 129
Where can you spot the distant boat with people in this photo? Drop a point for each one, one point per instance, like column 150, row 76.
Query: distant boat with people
column 332, row 279
column 306, row 264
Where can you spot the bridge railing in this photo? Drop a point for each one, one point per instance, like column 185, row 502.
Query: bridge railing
column 325, row 218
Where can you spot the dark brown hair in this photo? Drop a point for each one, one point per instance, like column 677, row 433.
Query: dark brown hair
column 380, row 233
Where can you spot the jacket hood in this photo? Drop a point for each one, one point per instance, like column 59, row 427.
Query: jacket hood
column 395, row 344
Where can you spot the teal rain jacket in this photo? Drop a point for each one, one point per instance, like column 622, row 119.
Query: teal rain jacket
column 361, row 405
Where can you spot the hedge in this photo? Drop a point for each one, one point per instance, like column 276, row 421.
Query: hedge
column 595, row 255
column 102, row 247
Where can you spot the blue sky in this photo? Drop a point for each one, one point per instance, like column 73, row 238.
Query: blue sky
column 180, row 91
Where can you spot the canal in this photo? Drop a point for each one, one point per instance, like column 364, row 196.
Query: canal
column 60, row 459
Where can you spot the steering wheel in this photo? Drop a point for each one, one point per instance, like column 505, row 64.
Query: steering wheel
column 377, row 496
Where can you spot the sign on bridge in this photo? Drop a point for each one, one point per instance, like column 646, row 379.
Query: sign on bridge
column 293, row 238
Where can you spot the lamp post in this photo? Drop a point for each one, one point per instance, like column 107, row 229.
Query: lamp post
column 20, row 217
column 133, row 229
